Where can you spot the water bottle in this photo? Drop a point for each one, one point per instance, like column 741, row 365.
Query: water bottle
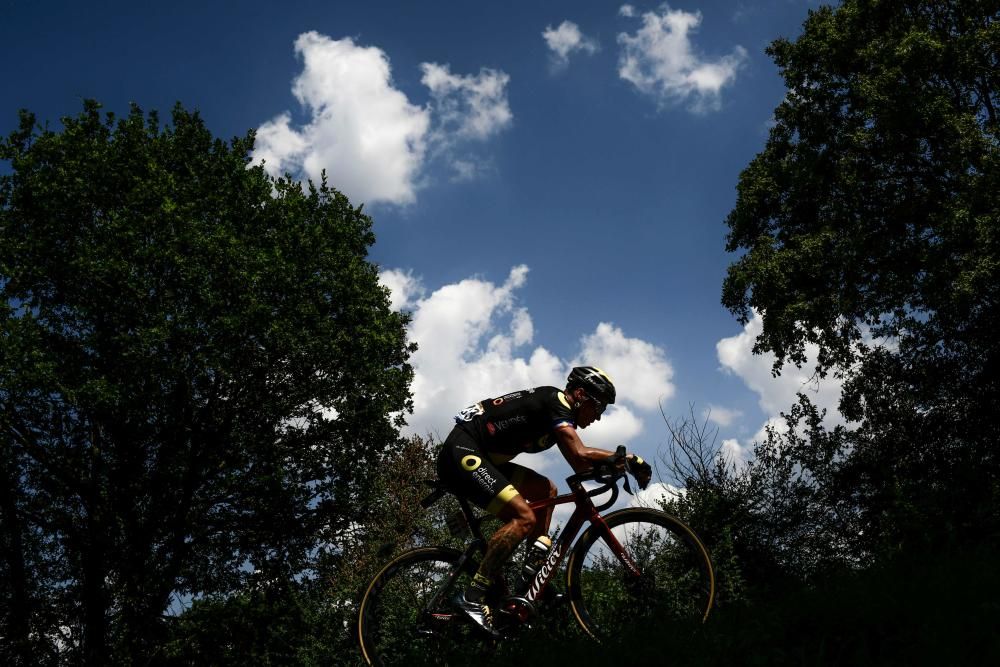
column 533, row 560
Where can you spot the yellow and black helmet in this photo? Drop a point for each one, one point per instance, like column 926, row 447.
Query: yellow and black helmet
column 594, row 381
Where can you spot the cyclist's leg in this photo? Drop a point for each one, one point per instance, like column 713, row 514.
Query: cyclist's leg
column 520, row 522
column 532, row 486
column 471, row 474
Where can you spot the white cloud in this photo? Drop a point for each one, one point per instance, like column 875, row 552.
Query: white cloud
column 739, row 453
column 403, row 287
column 776, row 424
column 654, row 495
column 364, row 132
column 372, row 141
column 474, row 340
column 775, row 394
column 644, row 365
column 732, row 450
column 721, row 416
column 468, row 106
column 565, row 40
column 470, row 337
column 628, row 11
column 659, row 60
column 465, row 170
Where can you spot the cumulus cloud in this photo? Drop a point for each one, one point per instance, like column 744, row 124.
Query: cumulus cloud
column 403, row 286
column 738, row 453
column 468, row 106
column 655, row 495
column 628, row 11
column 733, row 451
column 474, row 340
column 565, row 40
column 774, row 394
column 721, row 416
column 371, row 140
column 471, row 336
column 364, row 132
column 645, row 365
column 659, row 59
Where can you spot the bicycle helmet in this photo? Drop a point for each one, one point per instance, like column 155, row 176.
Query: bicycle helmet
column 594, row 381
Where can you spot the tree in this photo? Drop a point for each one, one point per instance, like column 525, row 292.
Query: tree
column 197, row 369
column 313, row 621
column 872, row 215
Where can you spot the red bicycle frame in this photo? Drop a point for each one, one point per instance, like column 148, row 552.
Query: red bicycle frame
column 585, row 511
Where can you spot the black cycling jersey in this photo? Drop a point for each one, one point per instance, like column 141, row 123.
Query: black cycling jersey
column 475, row 457
column 522, row 421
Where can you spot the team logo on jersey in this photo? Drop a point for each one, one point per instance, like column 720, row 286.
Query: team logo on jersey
column 562, row 399
column 506, row 423
column 469, row 413
column 470, row 463
column 491, row 427
column 498, row 401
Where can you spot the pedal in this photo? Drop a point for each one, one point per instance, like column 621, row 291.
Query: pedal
column 553, row 596
column 517, row 609
column 556, row 599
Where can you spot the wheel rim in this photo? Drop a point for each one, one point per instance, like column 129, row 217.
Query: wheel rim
column 676, row 586
column 397, row 625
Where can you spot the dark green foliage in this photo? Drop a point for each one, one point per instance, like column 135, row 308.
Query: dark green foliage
column 874, row 199
column 933, row 608
column 869, row 227
column 312, row 620
column 872, row 212
column 266, row 625
column 772, row 523
column 176, row 328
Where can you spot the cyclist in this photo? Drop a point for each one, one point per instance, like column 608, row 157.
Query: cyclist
column 475, row 463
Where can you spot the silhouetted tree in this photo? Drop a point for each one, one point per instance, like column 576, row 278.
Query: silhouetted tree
column 198, row 369
column 870, row 226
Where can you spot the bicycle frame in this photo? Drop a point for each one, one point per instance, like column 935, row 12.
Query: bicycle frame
column 430, row 573
column 585, row 511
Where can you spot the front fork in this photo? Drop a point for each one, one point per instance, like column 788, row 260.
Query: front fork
column 616, row 547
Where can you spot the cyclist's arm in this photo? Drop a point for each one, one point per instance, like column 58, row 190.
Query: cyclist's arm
column 580, row 456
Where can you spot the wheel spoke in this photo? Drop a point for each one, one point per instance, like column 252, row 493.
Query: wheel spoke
column 675, row 583
column 400, row 628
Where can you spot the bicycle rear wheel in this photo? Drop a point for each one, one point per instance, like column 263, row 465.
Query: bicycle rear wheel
column 405, row 617
column 675, row 581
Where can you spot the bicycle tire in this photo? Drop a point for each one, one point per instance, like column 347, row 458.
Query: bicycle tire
column 677, row 582
column 395, row 625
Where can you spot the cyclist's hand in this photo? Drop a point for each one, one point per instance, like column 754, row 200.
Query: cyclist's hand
column 641, row 470
column 614, row 462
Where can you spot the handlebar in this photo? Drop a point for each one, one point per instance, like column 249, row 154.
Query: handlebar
column 607, row 473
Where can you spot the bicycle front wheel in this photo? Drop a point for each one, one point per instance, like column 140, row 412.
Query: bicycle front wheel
column 405, row 617
column 652, row 571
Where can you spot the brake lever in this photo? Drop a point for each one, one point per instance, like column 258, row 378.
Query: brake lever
column 628, row 468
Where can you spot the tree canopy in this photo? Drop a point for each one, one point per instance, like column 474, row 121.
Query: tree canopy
column 874, row 201
column 870, row 225
column 197, row 368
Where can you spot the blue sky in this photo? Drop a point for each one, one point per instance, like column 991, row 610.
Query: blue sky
column 549, row 180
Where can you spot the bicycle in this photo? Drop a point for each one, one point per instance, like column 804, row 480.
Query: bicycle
column 633, row 564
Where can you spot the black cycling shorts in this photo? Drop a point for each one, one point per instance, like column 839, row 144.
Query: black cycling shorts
column 469, row 472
